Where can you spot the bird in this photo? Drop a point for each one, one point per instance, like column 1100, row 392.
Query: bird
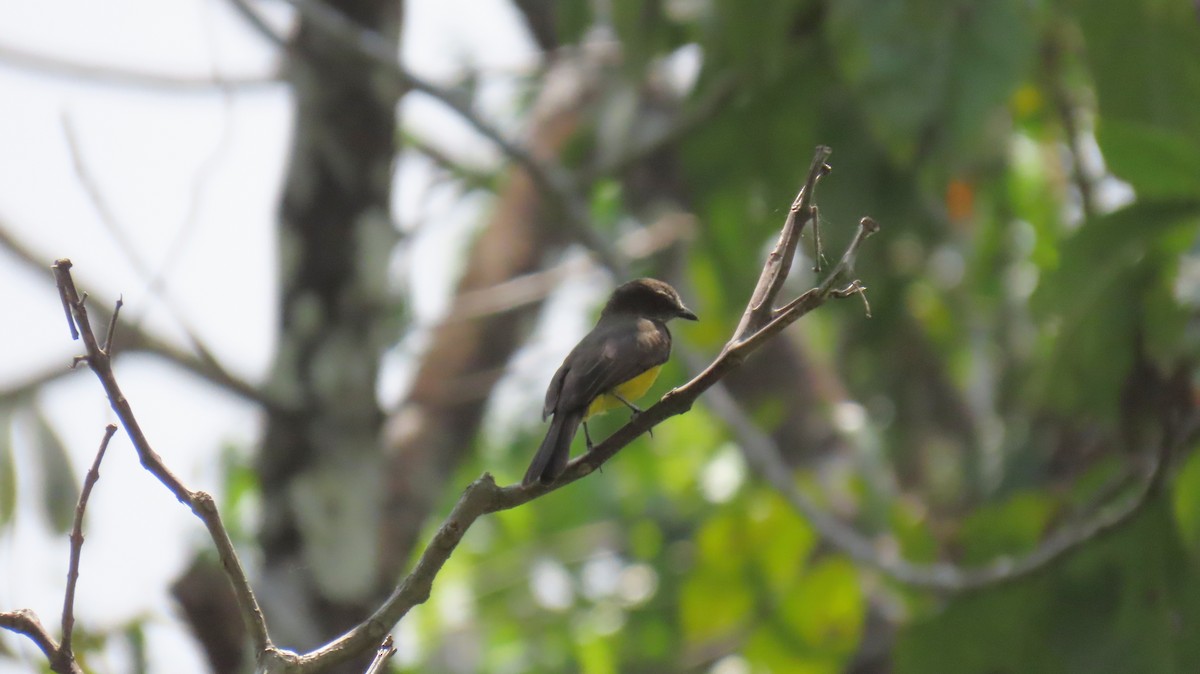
column 613, row 365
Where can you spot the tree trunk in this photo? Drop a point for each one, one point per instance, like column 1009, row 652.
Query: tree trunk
column 320, row 467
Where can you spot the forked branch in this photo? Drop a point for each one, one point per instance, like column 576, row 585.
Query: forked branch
column 99, row 360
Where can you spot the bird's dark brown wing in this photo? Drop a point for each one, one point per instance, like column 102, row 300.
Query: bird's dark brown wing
column 552, row 391
column 616, row 350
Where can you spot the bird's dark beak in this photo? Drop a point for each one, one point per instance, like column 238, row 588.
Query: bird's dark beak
column 684, row 312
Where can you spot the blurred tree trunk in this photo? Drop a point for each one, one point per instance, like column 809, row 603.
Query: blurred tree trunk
column 320, row 468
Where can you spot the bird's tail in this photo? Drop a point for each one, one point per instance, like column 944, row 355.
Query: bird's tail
column 551, row 457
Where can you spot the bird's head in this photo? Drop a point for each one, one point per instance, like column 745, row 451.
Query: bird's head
column 650, row 298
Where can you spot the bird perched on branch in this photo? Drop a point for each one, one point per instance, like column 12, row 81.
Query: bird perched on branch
column 613, row 365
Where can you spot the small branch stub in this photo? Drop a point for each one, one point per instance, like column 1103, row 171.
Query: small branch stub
column 65, row 266
column 386, row 650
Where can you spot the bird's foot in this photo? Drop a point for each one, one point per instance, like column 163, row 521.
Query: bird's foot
column 634, row 410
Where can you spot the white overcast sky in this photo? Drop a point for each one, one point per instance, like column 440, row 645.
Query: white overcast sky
column 197, row 173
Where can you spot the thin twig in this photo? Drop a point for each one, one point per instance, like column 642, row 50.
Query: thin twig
column 112, row 324
column 115, row 76
column 89, row 481
column 470, row 177
column 258, row 23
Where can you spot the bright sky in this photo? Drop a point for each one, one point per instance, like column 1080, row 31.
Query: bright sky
column 191, row 181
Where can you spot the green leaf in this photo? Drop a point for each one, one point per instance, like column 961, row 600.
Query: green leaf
column 713, row 605
column 716, row 542
column 242, row 492
column 60, row 487
column 827, row 608
column 135, row 640
column 779, row 541
column 596, row 656
column 606, row 204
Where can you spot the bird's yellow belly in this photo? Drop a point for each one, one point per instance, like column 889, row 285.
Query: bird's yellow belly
column 631, row 390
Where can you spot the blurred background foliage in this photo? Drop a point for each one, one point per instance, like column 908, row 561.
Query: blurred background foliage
column 1031, row 346
column 1034, row 291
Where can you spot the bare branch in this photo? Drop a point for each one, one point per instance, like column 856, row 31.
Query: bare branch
column 89, row 481
column 200, row 502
